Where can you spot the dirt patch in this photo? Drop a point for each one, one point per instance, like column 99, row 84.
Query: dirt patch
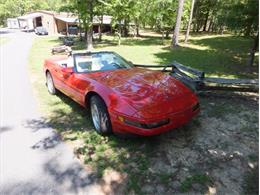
column 213, row 154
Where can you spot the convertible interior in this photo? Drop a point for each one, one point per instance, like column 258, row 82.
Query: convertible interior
column 95, row 62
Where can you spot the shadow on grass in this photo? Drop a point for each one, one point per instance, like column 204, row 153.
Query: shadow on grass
column 111, row 41
column 227, row 55
column 147, row 41
column 140, row 158
column 124, row 156
column 210, row 61
column 77, row 119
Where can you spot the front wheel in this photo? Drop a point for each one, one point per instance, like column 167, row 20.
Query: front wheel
column 50, row 84
column 100, row 116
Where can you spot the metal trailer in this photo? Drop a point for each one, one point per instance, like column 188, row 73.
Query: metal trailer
column 197, row 81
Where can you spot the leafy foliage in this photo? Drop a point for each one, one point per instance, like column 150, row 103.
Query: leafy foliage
column 14, row 8
column 240, row 16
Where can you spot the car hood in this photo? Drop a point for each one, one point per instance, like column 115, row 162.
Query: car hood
column 149, row 92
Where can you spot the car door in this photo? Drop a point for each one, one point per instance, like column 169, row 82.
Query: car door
column 76, row 85
column 56, row 76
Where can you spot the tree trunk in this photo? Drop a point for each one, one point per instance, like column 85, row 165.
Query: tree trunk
column 137, row 30
column 198, row 26
column 210, row 24
column 248, row 28
column 89, row 39
column 100, row 27
column 118, row 34
column 206, row 21
column 175, row 37
column 221, row 29
column 89, row 30
column 163, row 37
column 137, row 27
column 125, row 28
column 253, row 50
column 80, row 30
column 190, row 20
column 167, row 34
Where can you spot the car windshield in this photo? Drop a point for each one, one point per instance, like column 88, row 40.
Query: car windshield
column 101, row 61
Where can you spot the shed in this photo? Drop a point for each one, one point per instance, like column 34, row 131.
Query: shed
column 12, row 23
column 65, row 23
column 39, row 18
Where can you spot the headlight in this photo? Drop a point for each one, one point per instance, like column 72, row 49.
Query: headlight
column 158, row 124
column 143, row 125
column 133, row 123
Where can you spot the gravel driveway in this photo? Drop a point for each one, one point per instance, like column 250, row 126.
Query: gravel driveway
column 33, row 158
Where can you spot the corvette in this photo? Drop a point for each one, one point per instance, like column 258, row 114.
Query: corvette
column 122, row 98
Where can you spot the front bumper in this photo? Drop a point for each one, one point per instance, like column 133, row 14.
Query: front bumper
column 176, row 120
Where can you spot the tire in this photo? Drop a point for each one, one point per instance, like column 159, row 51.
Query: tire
column 50, row 85
column 100, row 116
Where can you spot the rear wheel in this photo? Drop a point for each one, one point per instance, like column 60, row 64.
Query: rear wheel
column 50, row 84
column 100, row 116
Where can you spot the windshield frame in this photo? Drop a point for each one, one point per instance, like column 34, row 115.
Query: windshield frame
column 75, row 55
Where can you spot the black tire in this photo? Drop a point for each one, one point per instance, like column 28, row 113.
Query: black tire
column 100, row 116
column 50, row 84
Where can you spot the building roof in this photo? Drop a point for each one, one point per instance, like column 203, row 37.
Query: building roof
column 65, row 17
column 67, row 20
column 73, row 19
column 11, row 19
column 29, row 16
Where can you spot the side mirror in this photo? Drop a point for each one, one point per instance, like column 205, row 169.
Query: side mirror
column 64, row 65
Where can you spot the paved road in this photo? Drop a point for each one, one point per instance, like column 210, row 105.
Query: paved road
column 33, row 160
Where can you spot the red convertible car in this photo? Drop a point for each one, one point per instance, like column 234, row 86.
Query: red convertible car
column 122, row 98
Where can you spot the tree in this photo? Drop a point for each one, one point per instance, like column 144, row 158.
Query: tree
column 243, row 18
column 89, row 26
column 85, row 10
column 15, row 8
column 190, row 20
column 121, row 10
column 175, row 37
column 253, row 50
column 161, row 16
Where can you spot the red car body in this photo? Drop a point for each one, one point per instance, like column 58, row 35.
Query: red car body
column 136, row 94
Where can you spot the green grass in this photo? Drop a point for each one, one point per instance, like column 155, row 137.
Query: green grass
column 131, row 156
column 202, row 179
column 217, row 55
column 4, row 40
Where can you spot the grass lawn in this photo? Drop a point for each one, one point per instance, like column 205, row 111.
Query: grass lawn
column 3, row 40
column 217, row 55
column 167, row 162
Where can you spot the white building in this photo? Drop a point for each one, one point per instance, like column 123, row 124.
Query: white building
column 12, row 23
